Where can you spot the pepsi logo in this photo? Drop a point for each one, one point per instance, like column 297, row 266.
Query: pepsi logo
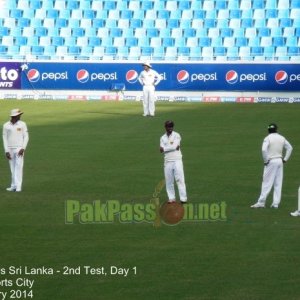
column 281, row 77
column 183, row 77
column 232, row 77
column 33, row 75
column 82, row 76
column 132, row 76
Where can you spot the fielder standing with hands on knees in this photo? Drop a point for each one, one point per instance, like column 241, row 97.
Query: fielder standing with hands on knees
column 15, row 140
column 272, row 153
column 149, row 78
column 173, row 166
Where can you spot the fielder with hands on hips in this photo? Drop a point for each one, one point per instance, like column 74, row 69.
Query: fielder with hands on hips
column 173, row 166
column 272, row 153
column 149, row 79
column 15, row 140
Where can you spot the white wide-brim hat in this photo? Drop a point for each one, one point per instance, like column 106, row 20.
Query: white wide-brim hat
column 146, row 63
column 15, row 112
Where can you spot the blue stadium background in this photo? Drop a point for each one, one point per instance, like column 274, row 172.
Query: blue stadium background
column 157, row 30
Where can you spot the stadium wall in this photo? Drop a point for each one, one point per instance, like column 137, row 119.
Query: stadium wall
column 181, row 81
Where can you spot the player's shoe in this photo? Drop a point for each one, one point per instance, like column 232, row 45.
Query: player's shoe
column 257, row 205
column 171, row 201
column 10, row 189
column 295, row 213
column 274, row 206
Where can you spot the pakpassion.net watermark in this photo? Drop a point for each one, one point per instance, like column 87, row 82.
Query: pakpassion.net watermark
column 155, row 212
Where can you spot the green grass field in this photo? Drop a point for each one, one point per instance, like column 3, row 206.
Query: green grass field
column 108, row 151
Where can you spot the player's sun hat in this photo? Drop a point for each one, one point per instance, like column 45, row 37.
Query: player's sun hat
column 15, row 112
column 147, row 63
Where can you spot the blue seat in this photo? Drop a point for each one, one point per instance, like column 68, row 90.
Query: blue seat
column 158, row 53
column 74, row 50
column 72, row 4
column 184, row 51
column 294, row 51
column 32, row 41
column 189, row 32
column 226, row 32
column 276, row 32
column 52, row 13
column 115, row 32
column 60, row 23
column 199, row 14
column 136, row 23
column 87, row 52
column 220, row 4
column 269, row 52
column 286, row 22
column 147, row 51
column 4, row 31
column 241, row 41
column 110, row 5
column 168, row 42
column 77, row 32
column 247, row 23
column 271, row 13
column 254, row 41
column 220, row 51
column 233, row 53
column 152, row 32
column 292, row 41
column 23, row 22
column 264, row 31
column 148, row 23
column 35, row 4
column 279, row 41
column 163, row 14
column 94, row 41
column 256, row 4
column 37, row 50
column 295, row 4
column 20, row 41
column 165, row 32
column 146, row 5
column 126, row 14
column 131, row 41
column 184, row 4
column 107, row 41
column 195, row 53
column 143, row 41
column 57, row 41
column 173, row 23
column 3, row 49
column 98, row 23
column 123, row 52
column 180, row 42
column 235, row 14
column 16, row 13
column 65, row 14
column 210, row 23
column 185, row 23
column 204, row 41
column 89, row 14
column 111, row 51
column 257, row 51
column 70, row 41
column 50, row 50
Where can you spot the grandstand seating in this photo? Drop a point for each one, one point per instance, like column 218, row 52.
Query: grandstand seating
column 152, row 29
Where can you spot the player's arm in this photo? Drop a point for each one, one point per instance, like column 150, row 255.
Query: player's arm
column 264, row 151
column 5, row 145
column 170, row 148
column 158, row 78
column 288, row 151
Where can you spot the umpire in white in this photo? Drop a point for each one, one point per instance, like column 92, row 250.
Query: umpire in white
column 15, row 140
column 272, row 153
column 173, row 166
column 149, row 78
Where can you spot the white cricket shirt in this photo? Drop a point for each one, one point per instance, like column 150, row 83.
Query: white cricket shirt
column 273, row 146
column 15, row 135
column 169, row 144
column 149, row 78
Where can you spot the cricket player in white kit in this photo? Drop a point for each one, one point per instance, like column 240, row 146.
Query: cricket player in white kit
column 272, row 153
column 15, row 140
column 173, row 166
column 149, row 79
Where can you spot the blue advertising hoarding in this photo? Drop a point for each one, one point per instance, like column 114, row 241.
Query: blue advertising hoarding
column 175, row 77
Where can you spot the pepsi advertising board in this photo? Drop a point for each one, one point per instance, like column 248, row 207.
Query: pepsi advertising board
column 175, row 77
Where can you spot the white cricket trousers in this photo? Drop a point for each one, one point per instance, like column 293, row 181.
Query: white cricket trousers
column 273, row 176
column 16, row 167
column 149, row 100
column 174, row 171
